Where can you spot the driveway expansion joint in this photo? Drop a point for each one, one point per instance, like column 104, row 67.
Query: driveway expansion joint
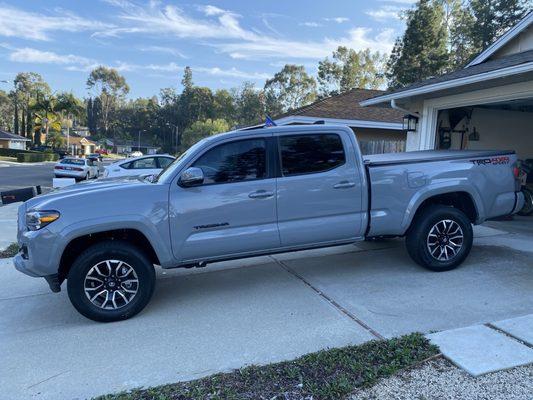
column 328, row 299
column 509, row 335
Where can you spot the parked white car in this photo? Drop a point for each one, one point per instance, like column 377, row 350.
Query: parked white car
column 146, row 165
column 77, row 168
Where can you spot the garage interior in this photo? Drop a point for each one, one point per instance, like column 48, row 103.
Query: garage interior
column 505, row 125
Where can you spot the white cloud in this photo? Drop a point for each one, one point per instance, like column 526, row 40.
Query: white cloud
column 213, row 71
column 338, row 20
column 222, row 30
column 385, row 13
column 29, row 55
column 36, row 26
column 163, row 49
column 311, row 24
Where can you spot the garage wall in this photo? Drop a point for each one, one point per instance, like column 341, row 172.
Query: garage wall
column 502, row 129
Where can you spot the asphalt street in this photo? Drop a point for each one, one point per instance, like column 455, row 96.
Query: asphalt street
column 16, row 176
column 19, row 176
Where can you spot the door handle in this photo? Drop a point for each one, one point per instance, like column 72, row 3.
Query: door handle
column 344, row 185
column 260, row 194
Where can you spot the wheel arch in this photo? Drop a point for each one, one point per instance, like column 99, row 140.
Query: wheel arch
column 462, row 200
column 79, row 243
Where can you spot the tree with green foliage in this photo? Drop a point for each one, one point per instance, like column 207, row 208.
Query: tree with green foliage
column 249, row 104
column 290, row 88
column 29, row 89
column 422, row 51
column 349, row 69
column 7, row 110
column 478, row 23
column 202, row 129
column 110, row 87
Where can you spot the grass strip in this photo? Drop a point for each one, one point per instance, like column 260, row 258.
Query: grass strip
column 327, row 374
column 10, row 251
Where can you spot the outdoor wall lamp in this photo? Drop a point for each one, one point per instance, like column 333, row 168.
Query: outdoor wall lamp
column 410, row 123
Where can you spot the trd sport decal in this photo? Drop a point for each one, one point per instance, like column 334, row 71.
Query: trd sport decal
column 491, row 161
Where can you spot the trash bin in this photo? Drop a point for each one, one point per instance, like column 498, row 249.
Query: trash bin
column 14, row 196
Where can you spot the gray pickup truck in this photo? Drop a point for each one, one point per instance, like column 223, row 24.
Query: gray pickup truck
column 251, row 192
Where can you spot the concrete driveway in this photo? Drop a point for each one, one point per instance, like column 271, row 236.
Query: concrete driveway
column 254, row 311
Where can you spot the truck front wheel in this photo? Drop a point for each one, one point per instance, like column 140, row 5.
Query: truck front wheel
column 440, row 238
column 110, row 281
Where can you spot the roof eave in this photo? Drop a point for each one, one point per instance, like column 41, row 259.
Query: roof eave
column 499, row 73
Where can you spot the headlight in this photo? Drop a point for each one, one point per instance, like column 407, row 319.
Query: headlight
column 36, row 220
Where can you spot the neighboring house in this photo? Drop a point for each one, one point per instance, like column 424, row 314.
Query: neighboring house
column 78, row 145
column 126, row 147
column 9, row 140
column 486, row 105
column 378, row 129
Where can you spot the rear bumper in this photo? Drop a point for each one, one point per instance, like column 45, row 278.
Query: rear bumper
column 70, row 174
column 519, row 202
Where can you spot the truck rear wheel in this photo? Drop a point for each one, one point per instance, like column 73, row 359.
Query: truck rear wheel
column 440, row 238
column 110, row 281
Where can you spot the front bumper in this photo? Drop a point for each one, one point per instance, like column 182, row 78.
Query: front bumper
column 36, row 257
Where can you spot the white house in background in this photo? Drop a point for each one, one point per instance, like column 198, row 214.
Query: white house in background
column 378, row 129
column 486, row 105
column 9, row 140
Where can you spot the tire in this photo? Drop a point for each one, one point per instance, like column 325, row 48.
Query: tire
column 528, row 202
column 118, row 302
column 435, row 229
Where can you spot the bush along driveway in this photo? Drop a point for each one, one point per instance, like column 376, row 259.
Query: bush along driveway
column 328, row 374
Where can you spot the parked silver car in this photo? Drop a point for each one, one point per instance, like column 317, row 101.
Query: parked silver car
column 77, row 168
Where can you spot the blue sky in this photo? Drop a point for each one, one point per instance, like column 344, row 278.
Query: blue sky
column 225, row 42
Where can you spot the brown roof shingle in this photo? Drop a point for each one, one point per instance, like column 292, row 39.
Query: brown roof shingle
column 346, row 106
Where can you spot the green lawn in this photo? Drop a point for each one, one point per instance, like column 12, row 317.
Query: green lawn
column 5, row 158
column 328, row 374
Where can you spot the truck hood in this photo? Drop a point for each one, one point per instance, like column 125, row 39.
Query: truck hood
column 79, row 189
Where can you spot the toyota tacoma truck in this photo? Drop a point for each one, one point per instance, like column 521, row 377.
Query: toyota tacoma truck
column 253, row 192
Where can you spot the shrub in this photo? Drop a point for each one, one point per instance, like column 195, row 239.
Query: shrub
column 37, row 157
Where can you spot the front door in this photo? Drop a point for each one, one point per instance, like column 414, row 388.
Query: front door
column 233, row 211
column 319, row 191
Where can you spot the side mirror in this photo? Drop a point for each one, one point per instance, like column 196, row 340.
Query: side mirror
column 191, row 177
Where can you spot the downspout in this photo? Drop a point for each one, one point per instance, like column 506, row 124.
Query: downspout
column 397, row 107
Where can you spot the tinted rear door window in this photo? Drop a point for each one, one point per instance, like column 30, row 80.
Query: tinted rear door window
column 306, row 154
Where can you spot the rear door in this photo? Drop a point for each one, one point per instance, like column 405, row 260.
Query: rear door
column 234, row 210
column 320, row 190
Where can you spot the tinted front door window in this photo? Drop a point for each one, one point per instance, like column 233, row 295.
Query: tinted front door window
column 304, row 154
column 234, row 162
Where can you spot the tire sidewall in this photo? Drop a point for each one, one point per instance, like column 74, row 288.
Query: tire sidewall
column 426, row 222
column 106, row 251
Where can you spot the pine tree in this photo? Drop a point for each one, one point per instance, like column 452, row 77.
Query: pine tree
column 422, row 51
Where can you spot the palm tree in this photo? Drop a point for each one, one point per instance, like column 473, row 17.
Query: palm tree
column 44, row 122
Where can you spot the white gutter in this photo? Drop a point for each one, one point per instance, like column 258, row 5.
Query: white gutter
column 499, row 73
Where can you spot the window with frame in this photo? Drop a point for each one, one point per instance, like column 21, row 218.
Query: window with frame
column 164, row 161
column 143, row 163
column 307, row 154
column 238, row 161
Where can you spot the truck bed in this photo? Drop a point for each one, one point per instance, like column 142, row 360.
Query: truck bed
column 428, row 156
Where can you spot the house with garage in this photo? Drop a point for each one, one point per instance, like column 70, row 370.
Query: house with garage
column 9, row 140
column 379, row 129
column 486, row 105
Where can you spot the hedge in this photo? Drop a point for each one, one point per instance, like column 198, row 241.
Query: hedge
column 37, row 157
column 15, row 152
